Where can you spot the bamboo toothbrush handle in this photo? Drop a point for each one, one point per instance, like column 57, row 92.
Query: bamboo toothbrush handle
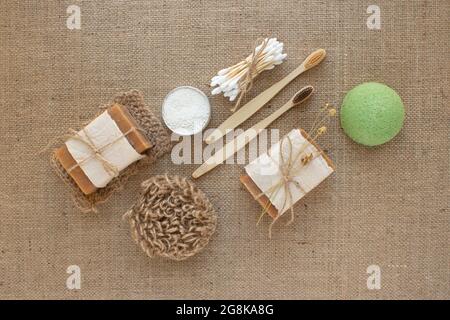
column 227, row 151
column 260, row 100
column 274, row 116
column 239, row 142
column 253, row 106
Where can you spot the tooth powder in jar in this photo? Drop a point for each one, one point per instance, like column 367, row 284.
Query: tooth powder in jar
column 186, row 110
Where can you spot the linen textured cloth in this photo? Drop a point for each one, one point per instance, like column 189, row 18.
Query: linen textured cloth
column 385, row 207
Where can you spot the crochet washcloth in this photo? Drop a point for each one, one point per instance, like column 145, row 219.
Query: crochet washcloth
column 153, row 129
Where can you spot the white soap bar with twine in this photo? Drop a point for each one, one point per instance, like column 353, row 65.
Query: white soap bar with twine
column 289, row 170
column 96, row 154
column 266, row 171
column 116, row 151
column 236, row 80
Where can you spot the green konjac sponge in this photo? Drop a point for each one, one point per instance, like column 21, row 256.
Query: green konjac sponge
column 372, row 113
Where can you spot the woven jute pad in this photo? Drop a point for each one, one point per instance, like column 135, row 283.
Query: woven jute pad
column 172, row 218
column 387, row 206
column 154, row 131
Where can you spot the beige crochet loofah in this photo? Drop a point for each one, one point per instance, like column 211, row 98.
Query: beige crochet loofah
column 172, row 218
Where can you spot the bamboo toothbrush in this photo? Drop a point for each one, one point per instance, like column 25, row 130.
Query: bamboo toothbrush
column 244, row 138
column 260, row 100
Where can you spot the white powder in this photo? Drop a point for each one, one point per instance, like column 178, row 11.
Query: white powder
column 186, row 110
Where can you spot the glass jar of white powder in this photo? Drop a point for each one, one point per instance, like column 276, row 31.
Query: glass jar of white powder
column 186, row 111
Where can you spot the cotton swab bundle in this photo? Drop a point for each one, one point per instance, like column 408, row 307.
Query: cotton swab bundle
column 236, row 80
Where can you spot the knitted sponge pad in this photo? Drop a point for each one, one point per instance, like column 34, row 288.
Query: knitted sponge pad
column 172, row 218
column 155, row 132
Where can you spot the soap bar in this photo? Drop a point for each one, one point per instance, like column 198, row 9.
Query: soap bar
column 122, row 135
column 126, row 122
column 263, row 173
column 258, row 196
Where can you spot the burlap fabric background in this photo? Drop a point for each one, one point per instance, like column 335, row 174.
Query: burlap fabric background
column 387, row 206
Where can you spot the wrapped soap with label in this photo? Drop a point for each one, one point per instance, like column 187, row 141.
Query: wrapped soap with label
column 287, row 172
column 100, row 157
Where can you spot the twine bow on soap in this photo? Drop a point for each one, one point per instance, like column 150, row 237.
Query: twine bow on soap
column 290, row 166
column 109, row 167
column 288, row 169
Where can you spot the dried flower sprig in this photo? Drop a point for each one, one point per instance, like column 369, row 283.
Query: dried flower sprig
column 237, row 80
column 322, row 119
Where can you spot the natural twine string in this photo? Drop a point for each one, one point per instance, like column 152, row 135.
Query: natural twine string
column 109, row 167
column 96, row 152
column 289, row 170
column 172, row 218
column 289, row 167
column 252, row 71
column 149, row 125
